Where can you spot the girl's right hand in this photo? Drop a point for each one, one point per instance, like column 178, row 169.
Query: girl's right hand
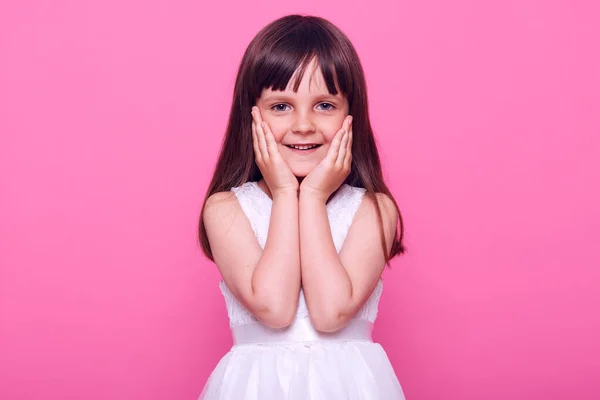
column 275, row 171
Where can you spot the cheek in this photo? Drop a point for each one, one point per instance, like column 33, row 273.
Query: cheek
column 332, row 129
column 278, row 128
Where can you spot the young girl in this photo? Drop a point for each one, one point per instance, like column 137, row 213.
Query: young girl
column 300, row 223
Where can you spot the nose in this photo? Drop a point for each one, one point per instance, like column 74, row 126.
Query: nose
column 303, row 124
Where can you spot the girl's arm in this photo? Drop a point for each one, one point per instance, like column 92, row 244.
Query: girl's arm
column 266, row 282
column 336, row 287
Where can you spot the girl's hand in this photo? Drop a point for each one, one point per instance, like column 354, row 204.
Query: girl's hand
column 274, row 169
column 334, row 168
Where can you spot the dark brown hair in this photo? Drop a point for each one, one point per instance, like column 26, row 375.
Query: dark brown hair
column 276, row 52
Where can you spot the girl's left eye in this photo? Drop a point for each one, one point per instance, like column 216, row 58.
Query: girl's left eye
column 279, row 107
column 329, row 107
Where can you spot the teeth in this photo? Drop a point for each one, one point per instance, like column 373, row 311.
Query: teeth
column 303, row 147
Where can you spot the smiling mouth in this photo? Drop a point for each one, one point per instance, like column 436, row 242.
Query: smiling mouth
column 303, row 147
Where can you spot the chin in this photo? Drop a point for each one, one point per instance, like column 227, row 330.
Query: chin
column 301, row 172
column 300, row 175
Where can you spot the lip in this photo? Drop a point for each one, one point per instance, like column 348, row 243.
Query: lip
column 303, row 152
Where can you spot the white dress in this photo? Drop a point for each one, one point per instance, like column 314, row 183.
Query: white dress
column 298, row 362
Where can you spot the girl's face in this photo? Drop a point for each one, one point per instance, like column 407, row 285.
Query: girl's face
column 309, row 117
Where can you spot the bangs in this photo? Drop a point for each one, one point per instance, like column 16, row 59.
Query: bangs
column 290, row 55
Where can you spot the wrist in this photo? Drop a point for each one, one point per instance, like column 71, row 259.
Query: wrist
column 311, row 193
column 285, row 193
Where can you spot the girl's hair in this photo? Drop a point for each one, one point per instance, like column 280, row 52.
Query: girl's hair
column 281, row 48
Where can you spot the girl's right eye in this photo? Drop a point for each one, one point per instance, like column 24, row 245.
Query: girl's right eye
column 279, row 107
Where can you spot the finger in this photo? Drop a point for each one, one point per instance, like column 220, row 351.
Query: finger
column 335, row 145
column 348, row 159
column 269, row 138
column 257, row 154
column 262, row 143
column 339, row 162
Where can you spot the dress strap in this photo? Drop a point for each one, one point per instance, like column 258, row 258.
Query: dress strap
column 257, row 208
column 342, row 210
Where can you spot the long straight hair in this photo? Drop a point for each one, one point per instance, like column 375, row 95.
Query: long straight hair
column 281, row 48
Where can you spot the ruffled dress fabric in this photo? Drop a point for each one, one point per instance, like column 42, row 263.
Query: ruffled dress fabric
column 346, row 370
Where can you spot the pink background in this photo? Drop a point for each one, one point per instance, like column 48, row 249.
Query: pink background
column 111, row 114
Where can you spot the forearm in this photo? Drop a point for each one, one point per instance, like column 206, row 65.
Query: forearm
column 276, row 277
column 326, row 284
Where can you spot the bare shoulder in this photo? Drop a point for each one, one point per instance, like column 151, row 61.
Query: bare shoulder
column 227, row 197
column 366, row 224
column 229, row 229
column 220, row 206
column 389, row 212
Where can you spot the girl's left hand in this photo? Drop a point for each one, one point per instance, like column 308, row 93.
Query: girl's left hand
column 334, row 168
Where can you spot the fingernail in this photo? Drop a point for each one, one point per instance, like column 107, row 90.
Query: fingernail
column 350, row 120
